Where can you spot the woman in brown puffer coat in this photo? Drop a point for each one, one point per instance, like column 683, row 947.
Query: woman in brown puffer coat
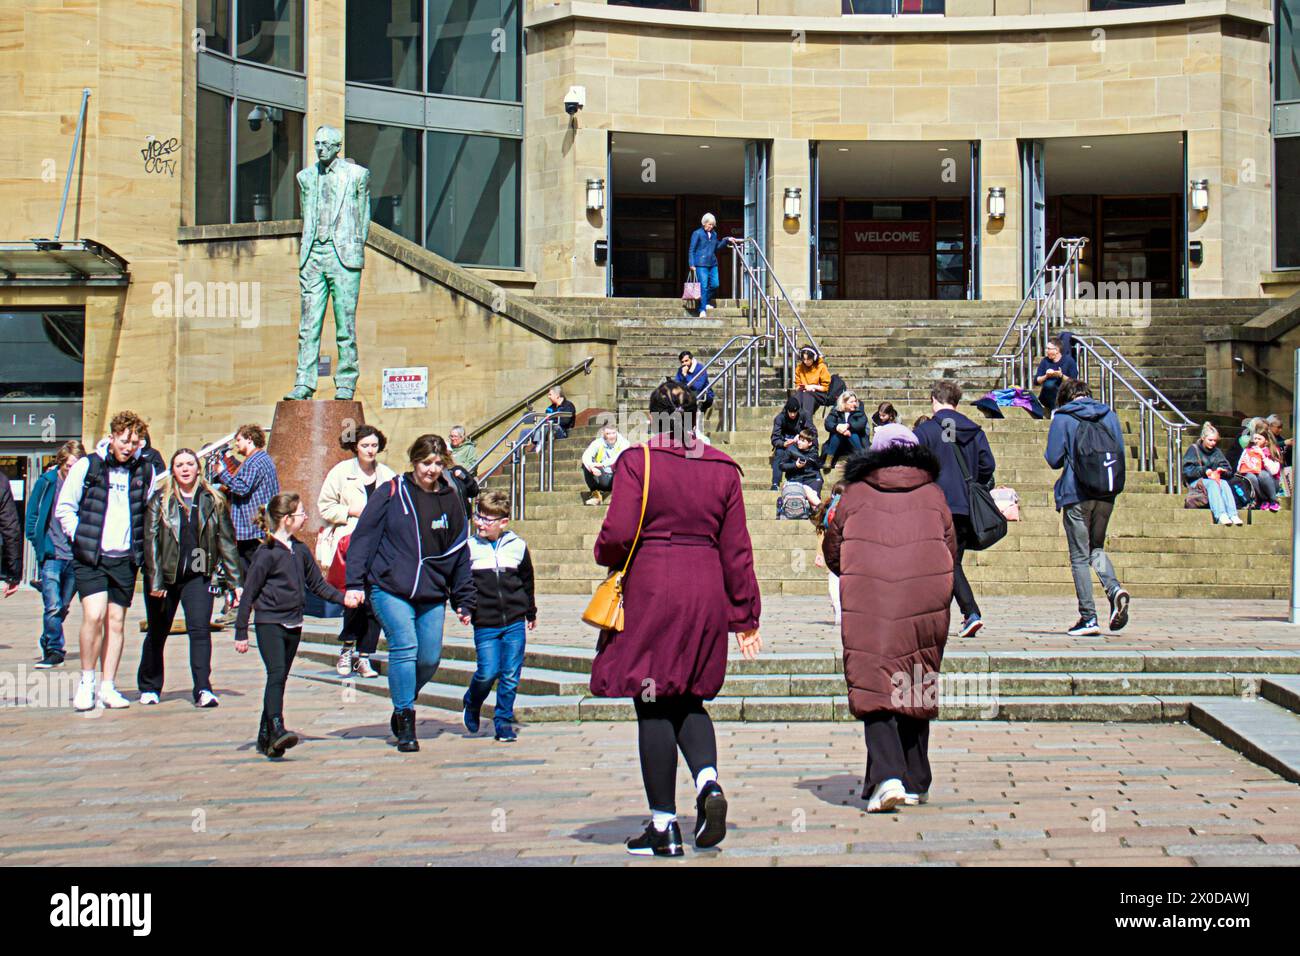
column 891, row 542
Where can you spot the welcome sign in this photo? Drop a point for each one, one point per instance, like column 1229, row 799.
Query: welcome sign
column 884, row 236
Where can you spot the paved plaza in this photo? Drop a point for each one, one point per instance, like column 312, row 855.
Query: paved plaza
column 176, row 785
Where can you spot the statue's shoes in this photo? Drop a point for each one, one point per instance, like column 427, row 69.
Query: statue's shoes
column 343, row 395
column 300, row 393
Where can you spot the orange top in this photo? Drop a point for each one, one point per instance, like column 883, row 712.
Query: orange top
column 818, row 375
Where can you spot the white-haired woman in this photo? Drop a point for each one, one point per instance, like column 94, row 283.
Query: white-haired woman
column 703, row 258
column 1206, row 466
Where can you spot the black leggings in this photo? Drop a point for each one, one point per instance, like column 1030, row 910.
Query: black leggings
column 277, row 644
column 664, row 726
column 961, row 589
column 601, row 482
column 193, row 595
column 361, row 627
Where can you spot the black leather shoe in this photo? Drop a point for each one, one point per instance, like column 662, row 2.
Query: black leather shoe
column 263, row 736
column 279, row 739
column 406, row 742
column 711, row 816
column 657, row 842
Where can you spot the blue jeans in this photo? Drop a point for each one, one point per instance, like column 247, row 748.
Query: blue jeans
column 500, row 654
column 414, row 631
column 58, row 584
column 708, row 277
column 838, row 445
column 1222, row 499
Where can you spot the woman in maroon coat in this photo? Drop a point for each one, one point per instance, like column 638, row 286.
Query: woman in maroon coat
column 892, row 544
column 690, row 583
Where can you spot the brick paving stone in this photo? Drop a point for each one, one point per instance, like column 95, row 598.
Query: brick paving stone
column 106, row 790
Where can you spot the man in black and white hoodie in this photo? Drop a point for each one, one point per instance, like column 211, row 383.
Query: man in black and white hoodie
column 102, row 509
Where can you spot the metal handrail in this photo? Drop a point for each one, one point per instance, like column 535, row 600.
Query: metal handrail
column 1034, row 285
column 1063, row 285
column 517, row 456
column 1243, row 367
column 528, row 418
column 725, row 383
column 1111, row 372
column 584, row 366
column 748, row 242
column 690, row 383
column 765, row 312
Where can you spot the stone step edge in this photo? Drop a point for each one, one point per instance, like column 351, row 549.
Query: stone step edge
column 1259, row 730
column 572, row 708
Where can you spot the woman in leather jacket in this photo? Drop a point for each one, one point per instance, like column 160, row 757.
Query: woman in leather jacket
column 189, row 557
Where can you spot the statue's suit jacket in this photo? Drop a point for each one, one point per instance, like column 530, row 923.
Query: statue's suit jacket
column 350, row 215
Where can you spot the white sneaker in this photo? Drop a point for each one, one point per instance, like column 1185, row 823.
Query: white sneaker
column 887, row 795
column 1237, row 521
column 914, row 799
column 207, row 699
column 111, row 698
column 149, row 697
column 344, row 666
column 1224, row 519
column 84, row 698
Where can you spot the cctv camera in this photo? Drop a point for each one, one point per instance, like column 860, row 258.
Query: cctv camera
column 255, row 117
column 575, row 99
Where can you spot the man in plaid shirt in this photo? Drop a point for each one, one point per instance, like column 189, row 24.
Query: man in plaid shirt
column 248, row 489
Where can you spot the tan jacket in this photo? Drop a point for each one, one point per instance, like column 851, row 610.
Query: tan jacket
column 344, row 488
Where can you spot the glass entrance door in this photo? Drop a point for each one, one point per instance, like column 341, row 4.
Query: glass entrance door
column 1035, row 209
column 23, row 467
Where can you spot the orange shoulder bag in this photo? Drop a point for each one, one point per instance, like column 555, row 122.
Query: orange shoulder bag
column 606, row 608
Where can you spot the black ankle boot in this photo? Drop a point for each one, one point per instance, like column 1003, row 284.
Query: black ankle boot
column 406, row 741
column 263, row 736
column 280, row 739
column 395, row 723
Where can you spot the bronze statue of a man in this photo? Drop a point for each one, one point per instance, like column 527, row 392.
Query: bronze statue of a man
column 335, row 221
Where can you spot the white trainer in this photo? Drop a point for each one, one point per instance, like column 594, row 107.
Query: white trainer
column 207, row 699
column 84, row 698
column 1224, row 519
column 887, row 795
column 149, row 697
column 915, row 799
column 1237, row 521
column 111, row 698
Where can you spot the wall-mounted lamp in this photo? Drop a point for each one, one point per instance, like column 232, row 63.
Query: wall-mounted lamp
column 595, row 194
column 997, row 202
column 1200, row 195
column 793, row 206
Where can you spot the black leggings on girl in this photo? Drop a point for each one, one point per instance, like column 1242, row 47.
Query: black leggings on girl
column 664, row 726
column 277, row 644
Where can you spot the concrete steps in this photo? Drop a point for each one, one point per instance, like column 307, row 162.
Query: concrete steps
column 975, row 685
column 1264, row 727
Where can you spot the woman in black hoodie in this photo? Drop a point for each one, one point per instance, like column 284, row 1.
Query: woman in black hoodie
column 411, row 547
column 278, row 577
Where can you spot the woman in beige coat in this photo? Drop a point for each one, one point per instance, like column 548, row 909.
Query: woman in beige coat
column 343, row 497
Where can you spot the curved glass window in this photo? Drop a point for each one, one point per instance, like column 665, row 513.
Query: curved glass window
column 473, row 200
column 474, row 48
column 384, row 44
column 270, row 32
column 41, row 354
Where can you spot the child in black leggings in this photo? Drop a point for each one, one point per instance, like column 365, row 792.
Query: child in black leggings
column 278, row 576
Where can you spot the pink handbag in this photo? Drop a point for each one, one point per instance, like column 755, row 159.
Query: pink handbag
column 691, row 290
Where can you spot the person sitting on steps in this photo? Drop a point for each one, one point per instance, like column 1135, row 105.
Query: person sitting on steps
column 786, row 426
column 598, row 462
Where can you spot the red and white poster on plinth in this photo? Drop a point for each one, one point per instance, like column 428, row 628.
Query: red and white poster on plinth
column 406, row 387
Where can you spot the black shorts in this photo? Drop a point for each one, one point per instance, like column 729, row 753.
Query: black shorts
column 114, row 575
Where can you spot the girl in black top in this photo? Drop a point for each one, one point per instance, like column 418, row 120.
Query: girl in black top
column 280, row 572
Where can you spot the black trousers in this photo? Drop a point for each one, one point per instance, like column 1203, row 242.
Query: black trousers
column 966, row 602
column 193, row 595
column 278, row 646
column 663, row 727
column 601, row 482
column 361, row 627
column 898, row 748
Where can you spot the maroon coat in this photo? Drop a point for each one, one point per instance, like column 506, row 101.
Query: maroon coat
column 892, row 544
column 692, row 580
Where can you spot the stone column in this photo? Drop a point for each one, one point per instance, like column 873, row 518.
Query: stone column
column 788, row 251
column 1001, row 254
column 326, row 68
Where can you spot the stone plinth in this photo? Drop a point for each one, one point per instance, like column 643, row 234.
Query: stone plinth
column 305, row 446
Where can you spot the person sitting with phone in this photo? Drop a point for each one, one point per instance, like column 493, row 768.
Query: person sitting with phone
column 1205, row 466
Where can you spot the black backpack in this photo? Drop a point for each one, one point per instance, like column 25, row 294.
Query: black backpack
column 1097, row 460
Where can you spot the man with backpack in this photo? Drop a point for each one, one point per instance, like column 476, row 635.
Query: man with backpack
column 1087, row 443
column 947, row 434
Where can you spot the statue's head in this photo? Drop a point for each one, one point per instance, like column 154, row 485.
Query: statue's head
column 328, row 143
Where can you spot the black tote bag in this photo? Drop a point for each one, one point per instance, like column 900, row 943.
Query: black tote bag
column 988, row 525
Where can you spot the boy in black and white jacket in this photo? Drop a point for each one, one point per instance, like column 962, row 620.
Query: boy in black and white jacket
column 503, row 580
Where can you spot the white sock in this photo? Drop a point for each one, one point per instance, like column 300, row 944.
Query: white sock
column 661, row 820
column 707, row 775
column 107, row 684
column 88, row 677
